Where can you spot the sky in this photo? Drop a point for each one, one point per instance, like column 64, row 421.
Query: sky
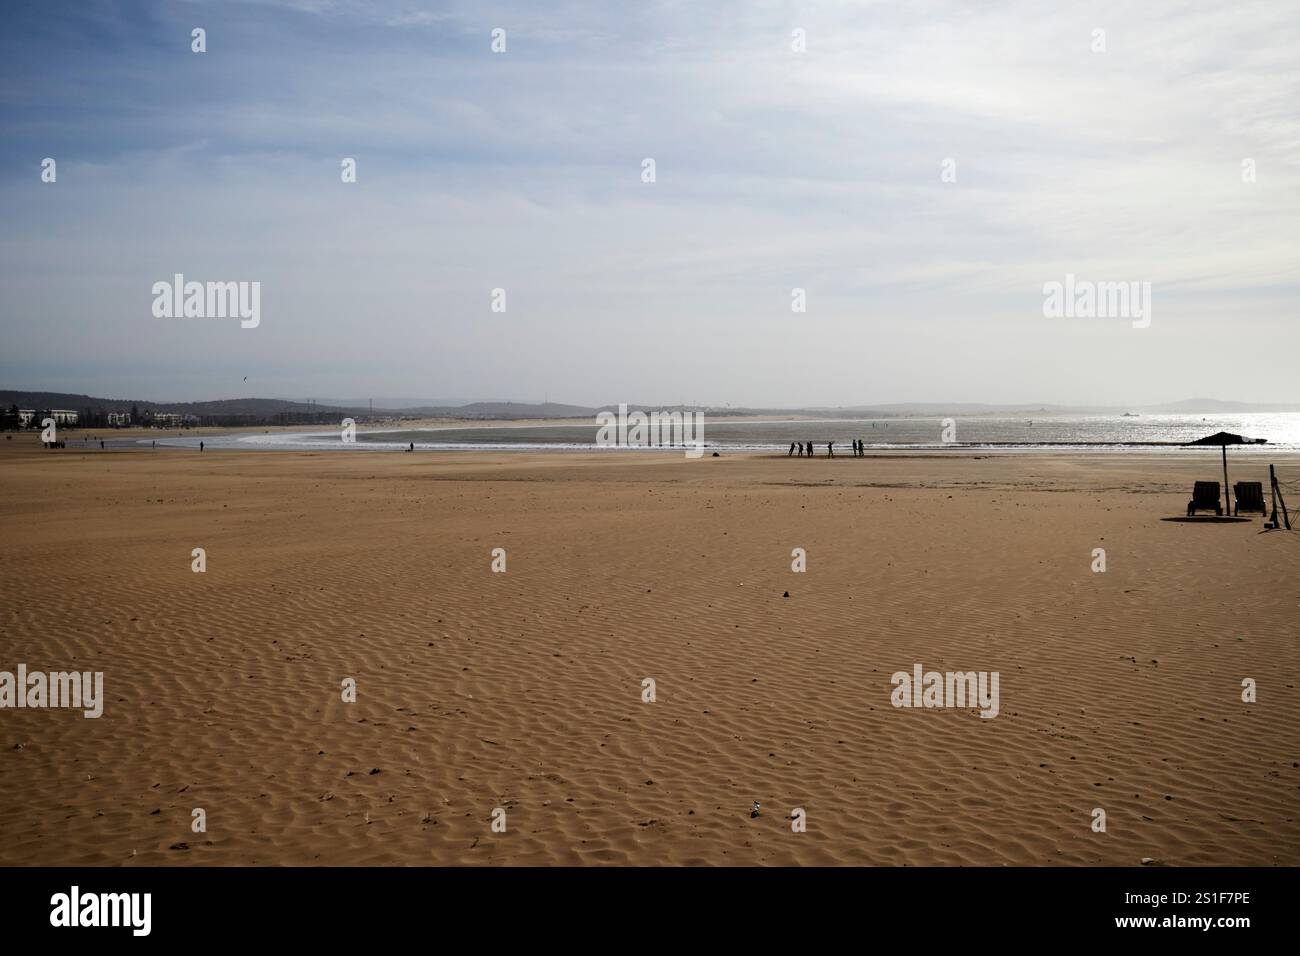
column 921, row 170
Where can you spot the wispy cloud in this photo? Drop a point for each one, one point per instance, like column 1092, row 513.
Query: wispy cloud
column 775, row 169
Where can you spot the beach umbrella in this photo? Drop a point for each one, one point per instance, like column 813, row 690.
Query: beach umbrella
column 1223, row 440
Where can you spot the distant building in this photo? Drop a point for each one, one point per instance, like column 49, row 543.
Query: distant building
column 119, row 419
column 166, row 420
column 61, row 416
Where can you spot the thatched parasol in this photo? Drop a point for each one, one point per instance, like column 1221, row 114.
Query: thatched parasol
column 1223, row 440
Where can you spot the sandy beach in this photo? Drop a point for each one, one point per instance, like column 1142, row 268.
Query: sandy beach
column 522, row 691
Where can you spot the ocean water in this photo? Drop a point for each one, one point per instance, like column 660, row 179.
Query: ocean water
column 1097, row 433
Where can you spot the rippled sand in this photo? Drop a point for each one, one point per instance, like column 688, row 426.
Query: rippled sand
column 523, row 690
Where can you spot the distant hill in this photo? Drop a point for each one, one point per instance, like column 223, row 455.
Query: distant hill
column 387, row 404
column 45, row 400
column 276, row 411
column 250, row 407
column 500, row 411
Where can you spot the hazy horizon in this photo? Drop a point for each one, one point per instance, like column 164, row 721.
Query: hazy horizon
column 1175, row 406
column 820, row 169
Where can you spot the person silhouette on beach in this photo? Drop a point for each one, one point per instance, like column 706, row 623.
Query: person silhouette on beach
column 200, row 446
column 791, row 455
column 412, row 448
column 101, row 444
column 830, row 449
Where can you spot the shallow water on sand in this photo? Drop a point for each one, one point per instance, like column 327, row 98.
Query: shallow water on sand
column 1084, row 433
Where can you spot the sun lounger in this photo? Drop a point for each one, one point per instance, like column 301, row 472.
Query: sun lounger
column 1249, row 495
column 1205, row 497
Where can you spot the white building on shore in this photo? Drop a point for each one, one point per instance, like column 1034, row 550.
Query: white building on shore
column 61, row 416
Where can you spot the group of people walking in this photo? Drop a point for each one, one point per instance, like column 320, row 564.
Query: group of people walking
column 800, row 449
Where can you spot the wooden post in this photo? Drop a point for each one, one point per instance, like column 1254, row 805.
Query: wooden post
column 1227, row 503
column 1272, row 488
column 1285, row 517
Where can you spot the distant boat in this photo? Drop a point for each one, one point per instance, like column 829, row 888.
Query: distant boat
column 1130, row 415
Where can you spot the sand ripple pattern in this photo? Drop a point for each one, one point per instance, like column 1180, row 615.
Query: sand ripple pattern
column 523, row 690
